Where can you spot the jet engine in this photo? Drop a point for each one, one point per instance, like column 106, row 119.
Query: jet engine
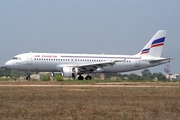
column 70, row 72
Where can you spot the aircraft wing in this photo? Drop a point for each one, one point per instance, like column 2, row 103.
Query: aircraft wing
column 93, row 66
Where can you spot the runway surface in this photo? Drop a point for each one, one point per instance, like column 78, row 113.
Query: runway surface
column 116, row 84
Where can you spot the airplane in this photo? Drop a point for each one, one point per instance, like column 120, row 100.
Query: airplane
column 73, row 65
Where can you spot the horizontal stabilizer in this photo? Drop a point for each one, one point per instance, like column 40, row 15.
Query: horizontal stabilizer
column 160, row 60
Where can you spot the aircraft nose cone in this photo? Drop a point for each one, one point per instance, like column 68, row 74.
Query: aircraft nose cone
column 8, row 64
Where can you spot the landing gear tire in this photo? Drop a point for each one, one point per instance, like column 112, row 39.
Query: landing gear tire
column 80, row 77
column 88, row 77
column 28, row 77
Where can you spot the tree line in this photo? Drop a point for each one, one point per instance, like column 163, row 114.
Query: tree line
column 11, row 73
column 146, row 75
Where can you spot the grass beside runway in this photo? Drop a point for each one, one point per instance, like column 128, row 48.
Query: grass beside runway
column 148, row 102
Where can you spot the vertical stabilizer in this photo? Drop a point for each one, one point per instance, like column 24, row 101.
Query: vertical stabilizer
column 155, row 45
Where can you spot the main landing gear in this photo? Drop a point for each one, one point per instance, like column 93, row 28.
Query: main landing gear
column 88, row 77
column 82, row 78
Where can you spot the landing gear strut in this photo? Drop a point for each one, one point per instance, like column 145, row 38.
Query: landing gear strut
column 52, row 74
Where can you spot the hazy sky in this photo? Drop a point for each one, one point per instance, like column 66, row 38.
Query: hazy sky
column 88, row 26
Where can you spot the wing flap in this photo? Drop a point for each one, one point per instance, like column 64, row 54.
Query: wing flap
column 97, row 64
column 93, row 66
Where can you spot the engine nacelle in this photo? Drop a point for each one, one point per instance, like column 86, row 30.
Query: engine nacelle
column 70, row 72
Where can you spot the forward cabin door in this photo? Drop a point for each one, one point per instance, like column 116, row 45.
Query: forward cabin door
column 29, row 59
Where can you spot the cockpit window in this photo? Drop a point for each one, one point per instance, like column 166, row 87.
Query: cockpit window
column 16, row 58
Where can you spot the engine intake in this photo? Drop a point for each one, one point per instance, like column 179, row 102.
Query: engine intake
column 70, row 72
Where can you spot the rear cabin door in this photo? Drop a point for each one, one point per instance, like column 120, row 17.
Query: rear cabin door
column 137, row 64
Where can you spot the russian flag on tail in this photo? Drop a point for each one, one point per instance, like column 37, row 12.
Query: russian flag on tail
column 155, row 43
column 145, row 51
column 158, row 42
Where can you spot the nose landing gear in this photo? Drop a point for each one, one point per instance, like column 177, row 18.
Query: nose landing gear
column 28, row 76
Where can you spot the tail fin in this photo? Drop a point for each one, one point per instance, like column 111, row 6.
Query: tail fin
column 155, row 45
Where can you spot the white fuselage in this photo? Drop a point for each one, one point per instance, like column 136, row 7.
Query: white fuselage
column 54, row 62
column 72, row 65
